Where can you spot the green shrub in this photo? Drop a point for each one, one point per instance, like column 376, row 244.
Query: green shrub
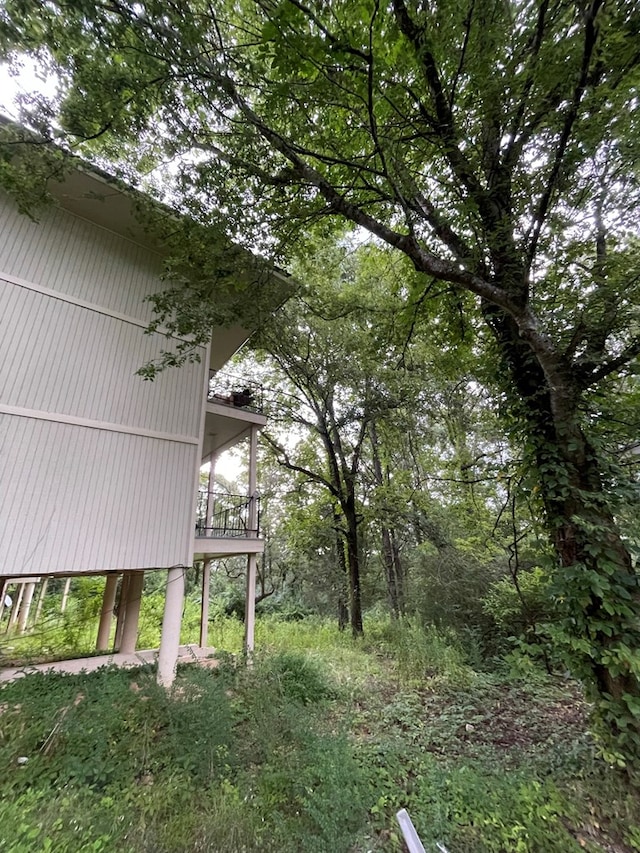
column 470, row 809
column 104, row 729
column 517, row 609
column 199, row 726
column 448, row 586
column 298, row 677
column 314, row 798
column 47, row 821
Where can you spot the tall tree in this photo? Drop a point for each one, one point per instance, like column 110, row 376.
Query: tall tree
column 493, row 142
column 394, row 571
column 331, row 395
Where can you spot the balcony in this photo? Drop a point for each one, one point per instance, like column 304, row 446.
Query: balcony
column 221, row 515
column 234, row 406
column 229, row 390
column 227, row 525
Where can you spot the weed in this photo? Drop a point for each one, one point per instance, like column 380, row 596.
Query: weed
column 313, row 748
column 298, row 677
column 422, row 653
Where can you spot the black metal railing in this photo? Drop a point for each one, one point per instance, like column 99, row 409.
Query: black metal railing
column 235, row 391
column 220, row 515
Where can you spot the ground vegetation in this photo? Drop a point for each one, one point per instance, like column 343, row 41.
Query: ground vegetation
column 313, row 748
column 494, row 145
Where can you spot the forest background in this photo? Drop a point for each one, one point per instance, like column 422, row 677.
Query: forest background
column 474, row 462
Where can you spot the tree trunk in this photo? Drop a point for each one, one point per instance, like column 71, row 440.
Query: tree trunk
column 390, row 554
column 398, row 569
column 597, row 587
column 353, row 565
column 392, row 572
column 602, row 588
column 342, row 584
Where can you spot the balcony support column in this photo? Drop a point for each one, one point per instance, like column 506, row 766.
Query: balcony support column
column 15, row 610
column 4, row 583
column 252, row 562
column 106, row 615
column 170, row 640
column 65, row 595
column 213, row 458
column 132, row 614
column 250, row 606
column 253, row 480
column 122, row 610
column 43, row 592
column 23, row 618
column 204, row 611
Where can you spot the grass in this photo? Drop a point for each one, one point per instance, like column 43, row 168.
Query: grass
column 313, row 748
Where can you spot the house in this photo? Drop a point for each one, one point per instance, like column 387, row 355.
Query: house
column 99, row 470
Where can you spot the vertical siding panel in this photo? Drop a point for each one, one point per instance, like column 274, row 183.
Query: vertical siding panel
column 130, row 389
column 75, row 498
column 80, row 338
column 105, row 374
column 41, row 323
column 91, row 396
column 8, row 477
column 80, row 259
column 85, row 364
column 9, row 373
column 121, row 502
column 98, row 523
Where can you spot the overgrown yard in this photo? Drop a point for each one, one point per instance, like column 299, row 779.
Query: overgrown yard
column 314, row 748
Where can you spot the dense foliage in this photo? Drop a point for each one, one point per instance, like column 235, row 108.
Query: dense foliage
column 494, row 144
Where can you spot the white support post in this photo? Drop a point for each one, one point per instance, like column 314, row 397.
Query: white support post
column 211, row 484
column 106, row 614
column 43, row 592
column 253, row 480
column 122, row 610
column 3, row 593
column 132, row 616
column 170, row 641
column 23, row 616
column 65, row 595
column 250, row 606
column 204, row 610
column 15, row 610
column 252, row 562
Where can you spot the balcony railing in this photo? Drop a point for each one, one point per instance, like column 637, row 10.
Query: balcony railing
column 235, row 391
column 220, row 515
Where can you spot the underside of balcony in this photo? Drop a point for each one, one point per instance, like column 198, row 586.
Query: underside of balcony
column 234, row 405
column 221, row 547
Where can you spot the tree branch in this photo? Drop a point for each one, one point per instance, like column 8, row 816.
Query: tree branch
column 588, row 376
column 284, row 460
column 590, row 37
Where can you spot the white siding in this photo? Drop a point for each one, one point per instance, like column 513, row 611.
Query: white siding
column 59, row 357
column 116, row 501
column 97, row 467
column 74, row 257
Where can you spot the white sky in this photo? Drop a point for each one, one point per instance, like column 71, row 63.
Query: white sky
column 12, row 85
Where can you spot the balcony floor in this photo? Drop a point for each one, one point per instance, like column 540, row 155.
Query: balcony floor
column 218, row 546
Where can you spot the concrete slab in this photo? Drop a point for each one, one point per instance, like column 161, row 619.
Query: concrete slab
column 186, row 654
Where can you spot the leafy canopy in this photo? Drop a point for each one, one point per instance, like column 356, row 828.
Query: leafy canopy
column 492, row 142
